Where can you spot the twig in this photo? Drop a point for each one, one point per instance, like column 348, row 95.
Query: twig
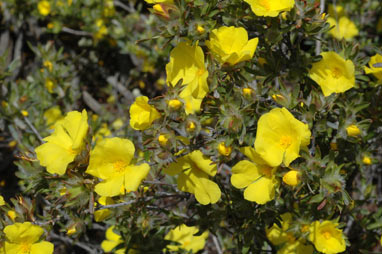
column 116, row 205
column 217, row 245
column 123, row 6
column 68, row 240
column 75, row 32
column 33, row 129
column 318, row 42
column 159, row 183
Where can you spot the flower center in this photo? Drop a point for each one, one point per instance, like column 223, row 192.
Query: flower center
column 186, row 243
column 25, row 248
column 201, row 72
column 267, row 171
column 327, row 235
column 71, row 151
column 336, row 72
column 265, row 4
column 291, row 238
column 119, row 166
column 285, row 141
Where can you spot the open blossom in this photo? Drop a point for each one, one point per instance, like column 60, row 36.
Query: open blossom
column 289, row 243
column 270, row 8
column 193, row 172
column 187, row 64
column 353, row 130
column 344, row 28
column 333, row 73
column 280, row 136
column 25, row 238
column 372, row 69
column 326, row 237
column 65, row 143
column 231, row 45
column 256, row 176
column 111, row 161
column 186, row 238
column 53, row 116
column 43, row 7
column 142, row 114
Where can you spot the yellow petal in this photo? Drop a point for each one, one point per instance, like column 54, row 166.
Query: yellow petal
column 110, row 187
column 261, row 191
column 43, row 247
column 135, row 175
column 23, row 232
column 244, row 173
column 202, row 162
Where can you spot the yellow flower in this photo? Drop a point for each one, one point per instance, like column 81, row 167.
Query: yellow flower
column 117, row 124
column 333, row 73
column 142, row 114
column 71, row 230
column 24, row 238
column 102, row 214
column 65, row 143
column 292, row 178
column 344, row 28
column 193, row 170
column 193, row 73
column 24, row 113
column 186, row 238
column 270, row 8
column 281, row 236
column 53, row 116
column 247, row 91
column 112, row 241
column 200, row 29
column 48, row 65
column 43, row 7
column 108, row 9
column 224, row 150
column 174, row 104
column 2, row 202
column 326, row 237
column 280, row 136
column 49, row 84
column 353, row 130
column 376, row 71
column 159, row 1
column 101, row 29
column 231, row 45
column 366, row 160
column 12, row 215
column 110, row 160
column 256, row 176
column 191, row 126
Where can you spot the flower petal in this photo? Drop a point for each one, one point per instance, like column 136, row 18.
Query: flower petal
column 43, row 247
column 261, row 191
column 110, row 187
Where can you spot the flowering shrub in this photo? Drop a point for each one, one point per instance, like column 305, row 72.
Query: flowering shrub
column 189, row 126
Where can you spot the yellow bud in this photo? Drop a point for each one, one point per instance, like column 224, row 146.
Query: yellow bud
column 141, row 84
column 163, row 139
column 24, row 113
column 284, row 15
column 174, row 104
column 117, row 124
column 63, row 191
column 71, row 230
column 323, row 15
column 110, row 99
column 333, row 146
column 353, row 130
column 12, row 144
column 4, row 104
column 48, row 65
column 145, row 189
column 43, row 7
column 262, row 61
column 292, row 178
column 278, row 97
column 224, row 150
column 305, row 228
column 366, row 160
column 49, row 85
column 200, row 29
column 12, row 214
column 191, row 126
column 50, row 25
column 158, row 8
column 247, row 91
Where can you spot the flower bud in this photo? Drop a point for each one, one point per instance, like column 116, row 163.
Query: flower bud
column 247, row 91
column 353, row 130
column 200, row 29
column 224, row 150
column 292, row 178
column 366, row 160
column 174, row 104
column 191, row 126
column 163, row 139
column 24, row 113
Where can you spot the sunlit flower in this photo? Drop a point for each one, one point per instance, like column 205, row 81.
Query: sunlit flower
column 159, row 1
column 12, row 214
column 110, row 161
column 256, row 176
column 71, row 230
column 280, row 136
column 231, row 45
column 292, row 178
column 112, row 241
column 187, row 64
column 65, row 143
column 53, row 116
column 101, row 29
column 142, row 114
column 186, row 238
column 200, row 29
column 353, row 130
column 163, row 139
column 333, row 73
column 366, row 160
column 344, row 28
column 376, row 71
column 326, row 237
column 43, row 7
column 193, row 172
column 270, row 8
column 247, row 91
column 25, row 238
column 281, row 236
